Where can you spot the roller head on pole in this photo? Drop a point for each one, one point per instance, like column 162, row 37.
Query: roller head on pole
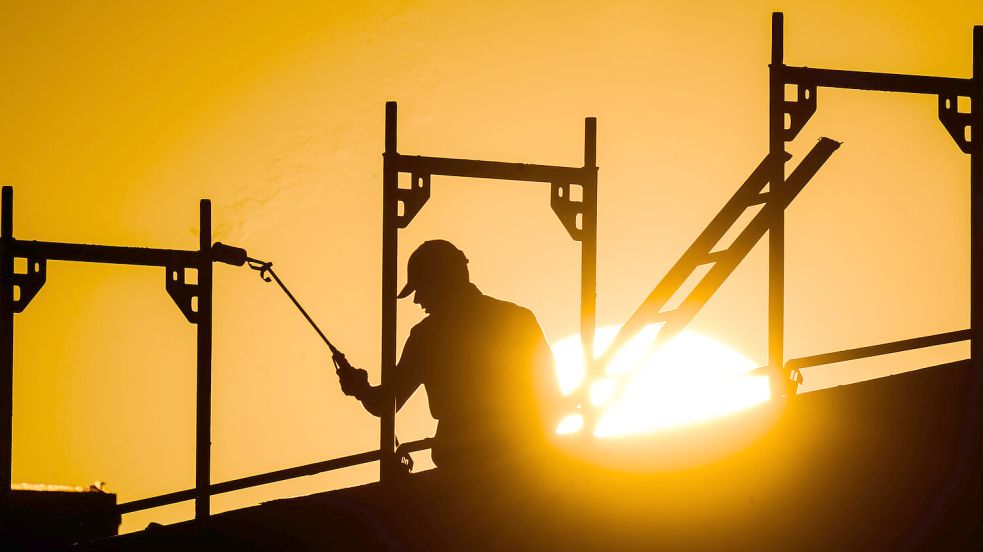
column 235, row 256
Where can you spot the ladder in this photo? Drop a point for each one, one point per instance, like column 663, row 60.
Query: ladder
column 656, row 308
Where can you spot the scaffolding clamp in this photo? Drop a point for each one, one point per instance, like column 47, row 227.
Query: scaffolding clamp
column 795, row 379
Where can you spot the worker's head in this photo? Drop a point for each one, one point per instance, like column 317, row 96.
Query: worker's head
column 437, row 271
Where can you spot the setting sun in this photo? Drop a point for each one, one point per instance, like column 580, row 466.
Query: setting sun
column 690, row 379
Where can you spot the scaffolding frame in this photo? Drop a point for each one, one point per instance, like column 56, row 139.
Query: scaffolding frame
column 400, row 206
column 786, row 118
column 17, row 289
column 194, row 299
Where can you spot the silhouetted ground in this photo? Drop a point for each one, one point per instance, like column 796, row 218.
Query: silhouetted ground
column 49, row 519
column 888, row 464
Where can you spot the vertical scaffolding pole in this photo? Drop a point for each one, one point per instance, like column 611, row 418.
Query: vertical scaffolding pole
column 588, row 252
column 976, row 205
column 588, row 248
column 776, row 204
column 390, row 211
column 6, row 337
column 203, row 418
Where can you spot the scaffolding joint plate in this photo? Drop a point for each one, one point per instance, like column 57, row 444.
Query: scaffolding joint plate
column 795, row 380
column 413, row 198
column 29, row 283
column 800, row 110
column 958, row 124
column 185, row 295
column 569, row 211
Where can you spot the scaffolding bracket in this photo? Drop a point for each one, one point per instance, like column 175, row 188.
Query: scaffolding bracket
column 412, row 199
column 795, row 380
column 28, row 284
column 570, row 212
column 958, row 124
column 799, row 110
column 184, row 294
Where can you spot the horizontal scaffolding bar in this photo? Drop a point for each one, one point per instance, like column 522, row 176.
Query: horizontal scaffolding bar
column 881, row 349
column 470, row 168
column 251, row 481
column 112, row 254
column 884, row 82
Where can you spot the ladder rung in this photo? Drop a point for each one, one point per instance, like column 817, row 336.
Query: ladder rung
column 663, row 315
column 715, row 256
column 760, row 199
column 748, row 194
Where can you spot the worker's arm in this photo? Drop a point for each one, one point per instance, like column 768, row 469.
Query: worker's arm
column 355, row 383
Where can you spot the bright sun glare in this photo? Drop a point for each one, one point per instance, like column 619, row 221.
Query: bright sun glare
column 690, row 379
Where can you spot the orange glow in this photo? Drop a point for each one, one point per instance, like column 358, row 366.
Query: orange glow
column 117, row 117
column 570, row 424
column 690, row 379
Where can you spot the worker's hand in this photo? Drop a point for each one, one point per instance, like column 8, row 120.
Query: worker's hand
column 354, row 381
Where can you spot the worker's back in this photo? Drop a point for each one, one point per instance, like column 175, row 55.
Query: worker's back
column 485, row 365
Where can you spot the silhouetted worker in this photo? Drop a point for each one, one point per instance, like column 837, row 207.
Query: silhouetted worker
column 485, row 364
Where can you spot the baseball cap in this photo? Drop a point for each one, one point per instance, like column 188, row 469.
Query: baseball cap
column 434, row 260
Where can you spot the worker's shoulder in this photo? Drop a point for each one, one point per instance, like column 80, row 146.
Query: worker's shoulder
column 500, row 307
column 426, row 326
column 480, row 309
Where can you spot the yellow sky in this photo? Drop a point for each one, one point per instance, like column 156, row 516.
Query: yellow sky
column 116, row 118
